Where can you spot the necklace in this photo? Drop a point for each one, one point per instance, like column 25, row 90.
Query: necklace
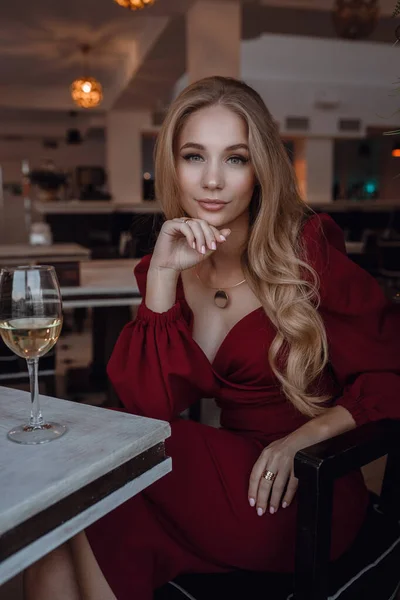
column 221, row 298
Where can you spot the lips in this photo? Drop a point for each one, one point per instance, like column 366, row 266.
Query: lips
column 210, row 201
column 211, row 205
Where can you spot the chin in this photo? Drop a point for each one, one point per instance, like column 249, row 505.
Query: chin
column 219, row 219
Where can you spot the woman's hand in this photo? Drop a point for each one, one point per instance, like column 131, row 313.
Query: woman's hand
column 278, row 458
column 184, row 243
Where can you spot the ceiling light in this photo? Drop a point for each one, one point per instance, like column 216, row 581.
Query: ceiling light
column 134, row 4
column 86, row 91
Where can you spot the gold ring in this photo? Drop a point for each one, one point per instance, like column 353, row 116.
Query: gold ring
column 186, row 220
column 269, row 475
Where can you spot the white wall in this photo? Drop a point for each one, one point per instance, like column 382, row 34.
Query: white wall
column 293, row 73
column 301, row 58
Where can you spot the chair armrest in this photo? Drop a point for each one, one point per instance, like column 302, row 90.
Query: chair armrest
column 350, row 450
column 317, row 467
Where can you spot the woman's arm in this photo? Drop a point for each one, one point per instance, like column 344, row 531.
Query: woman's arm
column 335, row 421
column 156, row 367
column 362, row 329
column 161, row 289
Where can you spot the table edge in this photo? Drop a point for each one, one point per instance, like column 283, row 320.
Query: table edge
column 20, row 536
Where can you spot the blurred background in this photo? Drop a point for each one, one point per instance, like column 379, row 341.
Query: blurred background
column 84, row 86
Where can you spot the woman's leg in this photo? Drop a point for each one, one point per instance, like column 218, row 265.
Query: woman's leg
column 70, row 572
column 52, row 577
column 92, row 583
column 195, row 519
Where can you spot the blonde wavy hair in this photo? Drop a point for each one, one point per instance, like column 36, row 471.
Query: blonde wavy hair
column 274, row 261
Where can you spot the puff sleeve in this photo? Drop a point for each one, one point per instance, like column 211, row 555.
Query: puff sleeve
column 156, row 367
column 363, row 327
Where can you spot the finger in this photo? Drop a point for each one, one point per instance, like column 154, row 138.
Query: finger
column 209, row 235
column 255, row 476
column 199, row 235
column 188, row 233
column 278, row 489
column 220, row 236
column 263, row 494
column 290, row 491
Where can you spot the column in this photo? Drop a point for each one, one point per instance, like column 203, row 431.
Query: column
column 213, row 33
column 313, row 163
column 124, row 154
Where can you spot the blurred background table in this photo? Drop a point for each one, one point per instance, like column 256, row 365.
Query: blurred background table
column 18, row 254
column 109, row 289
column 103, row 283
column 66, row 259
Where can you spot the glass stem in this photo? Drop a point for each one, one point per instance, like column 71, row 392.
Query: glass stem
column 36, row 419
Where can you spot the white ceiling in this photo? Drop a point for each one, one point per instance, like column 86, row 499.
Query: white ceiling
column 39, row 46
column 138, row 56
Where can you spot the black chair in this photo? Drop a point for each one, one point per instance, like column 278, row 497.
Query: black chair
column 389, row 264
column 369, row 570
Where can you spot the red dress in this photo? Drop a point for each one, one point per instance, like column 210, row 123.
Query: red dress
column 197, row 518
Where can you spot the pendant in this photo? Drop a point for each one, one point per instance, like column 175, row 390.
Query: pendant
column 221, row 299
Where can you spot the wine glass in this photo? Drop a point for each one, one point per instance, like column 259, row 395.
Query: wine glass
column 30, row 324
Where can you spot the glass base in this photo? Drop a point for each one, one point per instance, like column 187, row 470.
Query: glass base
column 25, row 434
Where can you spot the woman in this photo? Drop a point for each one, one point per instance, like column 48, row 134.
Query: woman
column 250, row 299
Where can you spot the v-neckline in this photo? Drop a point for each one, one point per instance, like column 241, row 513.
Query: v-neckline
column 232, row 329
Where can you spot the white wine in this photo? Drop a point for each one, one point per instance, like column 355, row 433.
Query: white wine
column 31, row 337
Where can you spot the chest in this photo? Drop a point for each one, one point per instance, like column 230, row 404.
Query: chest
column 211, row 324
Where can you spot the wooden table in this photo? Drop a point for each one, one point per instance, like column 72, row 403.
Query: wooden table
column 52, row 491
column 20, row 254
column 79, row 207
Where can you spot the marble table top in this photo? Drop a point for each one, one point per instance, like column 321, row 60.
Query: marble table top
column 58, row 487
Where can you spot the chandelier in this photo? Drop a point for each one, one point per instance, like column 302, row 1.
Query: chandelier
column 355, row 19
column 134, row 4
column 86, row 92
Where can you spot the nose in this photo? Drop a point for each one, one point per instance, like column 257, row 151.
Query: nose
column 213, row 176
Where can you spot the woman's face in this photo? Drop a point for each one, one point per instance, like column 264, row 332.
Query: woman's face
column 215, row 174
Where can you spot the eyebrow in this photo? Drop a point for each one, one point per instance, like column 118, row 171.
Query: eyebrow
column 229, row 148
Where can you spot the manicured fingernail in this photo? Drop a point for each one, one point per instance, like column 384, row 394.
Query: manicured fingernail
column 194, row 245
column 284, row 504
column 252, row 502
column 213, row 245
column 271, row 510
column 203, row 249
column 222, row 238
column 260, row 511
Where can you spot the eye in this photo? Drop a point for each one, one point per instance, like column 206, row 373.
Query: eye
column 193, row 157
column 238, row 160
